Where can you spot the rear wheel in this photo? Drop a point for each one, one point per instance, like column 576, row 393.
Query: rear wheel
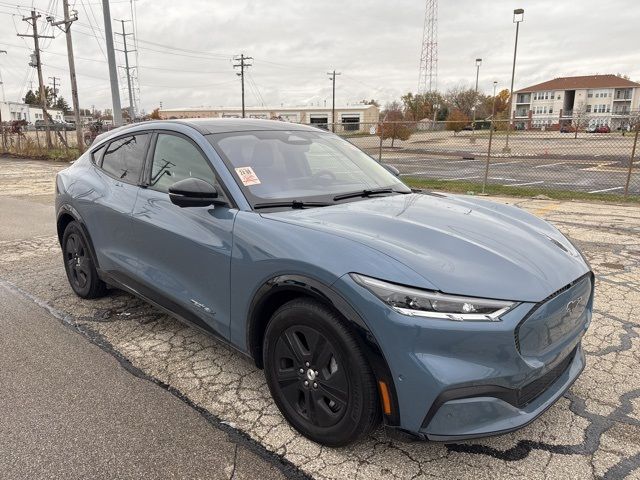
column 318, row 374
column 81, row 271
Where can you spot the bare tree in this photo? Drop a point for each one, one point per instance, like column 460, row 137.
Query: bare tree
column 580, row 118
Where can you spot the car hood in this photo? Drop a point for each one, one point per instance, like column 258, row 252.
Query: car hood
column 460, row 245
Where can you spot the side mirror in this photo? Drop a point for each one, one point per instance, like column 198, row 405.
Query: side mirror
column 391, row 169
column 193, row 192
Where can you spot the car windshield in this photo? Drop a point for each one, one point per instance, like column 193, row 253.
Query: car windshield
column 301, row 166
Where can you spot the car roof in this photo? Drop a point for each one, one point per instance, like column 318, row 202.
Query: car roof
column 207, row 126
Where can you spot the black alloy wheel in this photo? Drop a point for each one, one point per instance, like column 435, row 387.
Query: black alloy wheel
column 311, row 378
column 78, row 264
column 318, row 374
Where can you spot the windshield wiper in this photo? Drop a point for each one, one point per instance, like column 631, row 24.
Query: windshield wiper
column 367, row 192
column 291, row 204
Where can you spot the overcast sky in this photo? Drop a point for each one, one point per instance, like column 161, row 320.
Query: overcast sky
column 375, row 44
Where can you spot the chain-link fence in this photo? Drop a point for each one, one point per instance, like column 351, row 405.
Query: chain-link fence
column 454, row 155
column 27, row 141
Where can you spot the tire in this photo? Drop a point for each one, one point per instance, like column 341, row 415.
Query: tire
column 78, row 263
column 307, row 342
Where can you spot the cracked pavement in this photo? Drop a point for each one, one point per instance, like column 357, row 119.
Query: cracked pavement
column 592, row 432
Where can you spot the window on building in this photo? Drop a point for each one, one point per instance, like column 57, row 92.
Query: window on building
column 550, row 109
column 351, row 123
column 588, row 108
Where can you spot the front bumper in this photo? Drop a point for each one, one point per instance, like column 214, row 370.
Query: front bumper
column 459, row 380
column 483, row 416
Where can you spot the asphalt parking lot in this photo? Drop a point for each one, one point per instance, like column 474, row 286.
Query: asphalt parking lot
column 593, row 432
column 592, row 163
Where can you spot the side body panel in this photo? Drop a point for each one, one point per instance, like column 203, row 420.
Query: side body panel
column 185, row 254
column 105, row 205
column 264, row 248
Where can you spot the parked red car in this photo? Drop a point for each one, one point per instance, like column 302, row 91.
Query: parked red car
column 603, row 129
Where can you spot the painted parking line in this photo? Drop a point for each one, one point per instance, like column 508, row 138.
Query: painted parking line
column 549, row 165
column 523, row 184
column 459, row 178
column 606, row 190
column 506, row 163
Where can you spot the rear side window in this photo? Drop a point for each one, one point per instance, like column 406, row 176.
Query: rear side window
column 176, row 158
column 124, row 157
column 97, row 155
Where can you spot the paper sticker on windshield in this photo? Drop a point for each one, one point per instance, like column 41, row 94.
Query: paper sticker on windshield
column 247, row 176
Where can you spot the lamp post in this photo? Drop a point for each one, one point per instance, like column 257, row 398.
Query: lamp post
column 493, row 107
column 475, row 101
column 2, row 84
column 518, row 16
column 2, row 137
column 486, row 166
column 436, row 107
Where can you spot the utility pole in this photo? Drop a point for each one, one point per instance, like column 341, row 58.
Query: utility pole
column 55, row 91
column 333, row 99
column 2, row 137
column 132, row 114
column 242, row 65
column 33, row 21
column 113, row 71
column 68, row 20
column 2, row 84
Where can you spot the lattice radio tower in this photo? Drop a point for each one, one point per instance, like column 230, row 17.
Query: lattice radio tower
column 428, row 78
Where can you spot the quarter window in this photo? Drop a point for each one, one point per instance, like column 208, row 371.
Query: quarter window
column 175, row 159
column 124, row 157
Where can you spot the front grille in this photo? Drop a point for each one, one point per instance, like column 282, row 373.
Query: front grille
column 533, row 390
column 516, row 333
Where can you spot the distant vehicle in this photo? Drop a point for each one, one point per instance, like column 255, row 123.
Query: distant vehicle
column 40, row 125
column 603, row 129
column 592, row 129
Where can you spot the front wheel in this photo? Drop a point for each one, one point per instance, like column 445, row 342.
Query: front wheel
column 318, row 374
column 81, row 271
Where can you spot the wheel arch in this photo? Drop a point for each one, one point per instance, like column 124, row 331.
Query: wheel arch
column 67, row 214
column 280, row 289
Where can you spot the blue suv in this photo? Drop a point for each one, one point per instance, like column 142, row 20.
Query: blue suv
column 447, row 317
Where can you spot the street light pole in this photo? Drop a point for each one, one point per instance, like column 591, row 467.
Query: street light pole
column 518, row 16
column 436, row 107
column 493, row 108
column 475, row 101
column 2, row 137
column 1, row 83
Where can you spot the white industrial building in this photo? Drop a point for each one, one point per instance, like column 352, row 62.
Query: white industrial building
column 21, row 111
column 352, row 118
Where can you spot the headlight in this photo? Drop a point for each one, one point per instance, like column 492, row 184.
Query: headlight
column 426, row 303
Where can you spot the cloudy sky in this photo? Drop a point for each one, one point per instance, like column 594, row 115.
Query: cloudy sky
column 185, row 48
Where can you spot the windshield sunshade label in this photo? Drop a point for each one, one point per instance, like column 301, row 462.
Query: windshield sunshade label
column 247, row 176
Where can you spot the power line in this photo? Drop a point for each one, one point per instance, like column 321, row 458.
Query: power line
column 92, row 29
